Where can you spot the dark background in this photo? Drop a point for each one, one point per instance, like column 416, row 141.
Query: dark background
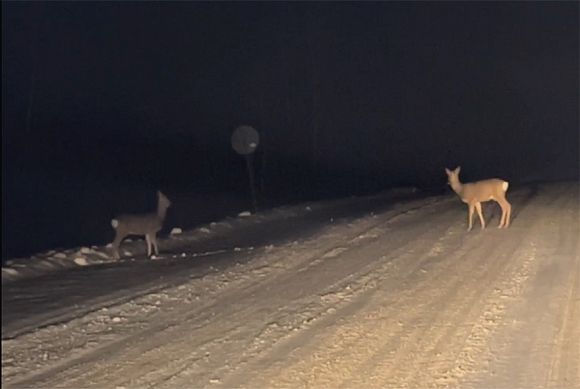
column 104, row 102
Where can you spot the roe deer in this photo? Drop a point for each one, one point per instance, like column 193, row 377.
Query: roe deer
column 147, row 224
column 475, row 193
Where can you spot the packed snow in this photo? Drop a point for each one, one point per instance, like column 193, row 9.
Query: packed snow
column 380, row 291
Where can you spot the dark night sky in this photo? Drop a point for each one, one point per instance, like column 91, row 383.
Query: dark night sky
column 348, row 98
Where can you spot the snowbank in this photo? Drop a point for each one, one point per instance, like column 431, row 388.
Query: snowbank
column 60, row 259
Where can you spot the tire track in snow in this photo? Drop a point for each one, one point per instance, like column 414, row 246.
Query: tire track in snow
column 293, row 344
column 501, row 290
column 565, row 369
column 317, row 365
column 402, row 334
column 430, row 251
column 474, row 351
column 515, row 351
column 358, row 286
column 540, row 309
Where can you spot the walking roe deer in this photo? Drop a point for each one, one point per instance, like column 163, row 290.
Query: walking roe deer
column 475, row 193
column 147, row 224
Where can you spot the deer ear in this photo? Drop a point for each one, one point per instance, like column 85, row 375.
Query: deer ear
column 458, row 169
column 448, row 171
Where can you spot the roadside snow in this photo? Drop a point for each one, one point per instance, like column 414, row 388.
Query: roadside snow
column 56, row 260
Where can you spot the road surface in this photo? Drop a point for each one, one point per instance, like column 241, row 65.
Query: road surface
column 401, row 297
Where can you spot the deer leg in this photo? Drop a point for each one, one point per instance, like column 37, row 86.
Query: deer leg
column 503, row 215
column 508, row 208
column 149, row 245
column 155, row 245
column 470, row 216
column 119, row 236
column 480, row 214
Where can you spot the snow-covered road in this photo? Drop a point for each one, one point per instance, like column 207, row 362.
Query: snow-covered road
column 400, row 297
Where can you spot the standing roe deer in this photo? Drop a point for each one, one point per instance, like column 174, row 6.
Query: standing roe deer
column 475, row 193
column 148, row 224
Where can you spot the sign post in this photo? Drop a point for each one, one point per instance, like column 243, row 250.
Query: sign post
column 245, row 140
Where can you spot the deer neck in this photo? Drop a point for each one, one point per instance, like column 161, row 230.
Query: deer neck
column 161, row 212
column 457, row 187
